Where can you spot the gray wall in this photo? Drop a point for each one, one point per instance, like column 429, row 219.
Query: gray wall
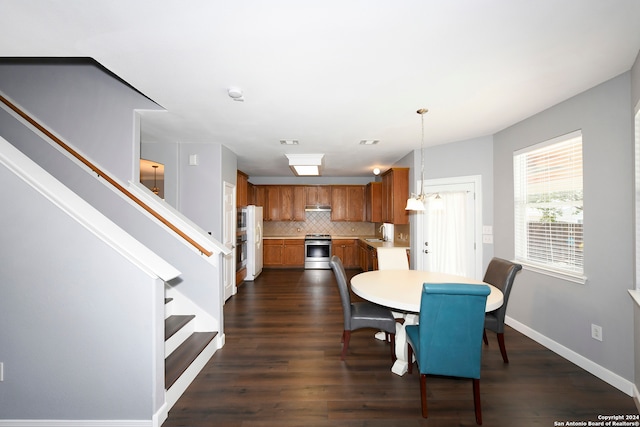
column 635, row 100
column 73, row 347
column 84, row 105
column 462, row 158
column 559, row 310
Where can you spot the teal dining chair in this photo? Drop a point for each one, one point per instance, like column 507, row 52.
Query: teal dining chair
column 448, row 339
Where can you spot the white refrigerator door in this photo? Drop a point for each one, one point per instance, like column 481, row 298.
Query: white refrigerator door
column 254, row 241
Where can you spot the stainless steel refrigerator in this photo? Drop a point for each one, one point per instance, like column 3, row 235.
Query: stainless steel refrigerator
column 254, row 242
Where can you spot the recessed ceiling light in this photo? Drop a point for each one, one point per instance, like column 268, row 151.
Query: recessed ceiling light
column 289, row 141
column 369, row 142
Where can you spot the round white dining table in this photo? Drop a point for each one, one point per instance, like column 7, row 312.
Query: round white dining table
column 401, row 290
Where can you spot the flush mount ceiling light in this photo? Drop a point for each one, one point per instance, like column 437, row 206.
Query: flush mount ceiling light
column 369, row 142
column 289, row 141
column 305, row 164
column 416, row 203
column 376, row 171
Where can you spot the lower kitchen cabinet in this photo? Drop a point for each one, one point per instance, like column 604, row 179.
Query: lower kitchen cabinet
column 287, row 253
column 347, row 250
column 293, row 251
column 272, row 255
column 367, row 257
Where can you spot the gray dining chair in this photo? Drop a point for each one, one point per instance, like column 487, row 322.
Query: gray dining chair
column 501, row 274
column 361, row 315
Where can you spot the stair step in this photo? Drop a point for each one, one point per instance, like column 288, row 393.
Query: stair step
column 173, row 324
column 183, row 356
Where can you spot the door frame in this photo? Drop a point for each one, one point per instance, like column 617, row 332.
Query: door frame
column 417, row 237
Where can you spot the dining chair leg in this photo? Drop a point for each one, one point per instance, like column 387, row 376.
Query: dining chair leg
column 346, row 336
column 392, row 339
column 484, row 337
column 423, row 395
column 476, row 400
column 503, row 349
column 409, row 359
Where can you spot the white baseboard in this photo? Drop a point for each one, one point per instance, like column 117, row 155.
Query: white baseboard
column 604, row 374
column 76, row 423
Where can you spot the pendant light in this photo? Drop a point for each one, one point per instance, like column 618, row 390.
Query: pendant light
column 416, row 203
column 155, row 188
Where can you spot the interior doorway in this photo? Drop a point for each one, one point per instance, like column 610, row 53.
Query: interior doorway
column 449, row 230
column 229, row 240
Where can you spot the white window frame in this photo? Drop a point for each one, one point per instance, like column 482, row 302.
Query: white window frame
column 637, row 192
column 573, row 270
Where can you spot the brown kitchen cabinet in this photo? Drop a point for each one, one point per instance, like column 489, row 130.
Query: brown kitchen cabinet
column 318, row 195
column 283, row 202
column 347, row 251
column 347, row 203
column 395, row 192
column 293, row 252
column 242, row 189
column 272, row 252
column 368, row 256
column 373, row 202
column 283, row 253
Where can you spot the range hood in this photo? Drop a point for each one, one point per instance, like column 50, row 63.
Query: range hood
column 317, row 208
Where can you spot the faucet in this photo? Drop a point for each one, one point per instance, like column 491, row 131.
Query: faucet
column 382, row 230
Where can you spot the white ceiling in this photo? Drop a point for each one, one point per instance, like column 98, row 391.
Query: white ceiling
column 331, row 73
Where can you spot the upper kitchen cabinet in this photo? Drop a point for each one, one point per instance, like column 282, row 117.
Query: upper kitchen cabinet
column 347, row 203
column 318, row 195
column 395, row 192
column 284, row 202
column 373, row 202
column 242, row 189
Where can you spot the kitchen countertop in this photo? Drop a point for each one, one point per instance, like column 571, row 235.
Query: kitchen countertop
column 396, row 244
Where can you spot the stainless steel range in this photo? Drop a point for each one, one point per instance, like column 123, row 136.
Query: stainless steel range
column 317, row 251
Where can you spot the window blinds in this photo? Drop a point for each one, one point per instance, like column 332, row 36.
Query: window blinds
column 548, row 204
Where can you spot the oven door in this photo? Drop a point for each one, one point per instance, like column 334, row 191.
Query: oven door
column 241, row 250
column 317, row 254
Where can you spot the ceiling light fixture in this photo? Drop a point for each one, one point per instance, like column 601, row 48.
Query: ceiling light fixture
column 376, row 171
column 289, row 142
column 369, row 142
column 416, row 203
column 305, row 164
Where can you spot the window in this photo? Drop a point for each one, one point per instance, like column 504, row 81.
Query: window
column 548, row 206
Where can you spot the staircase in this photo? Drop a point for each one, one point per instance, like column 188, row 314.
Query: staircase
column 186, row 352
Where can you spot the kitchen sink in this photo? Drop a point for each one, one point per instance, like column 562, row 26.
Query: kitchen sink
column 374, row 240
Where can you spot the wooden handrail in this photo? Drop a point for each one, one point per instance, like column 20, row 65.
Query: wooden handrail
column 100, row 173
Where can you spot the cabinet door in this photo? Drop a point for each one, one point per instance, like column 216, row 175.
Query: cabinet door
column 347, row 250
column 355, row 203
column 299, row 202
column 272, row 198
column 395, row 192
column 318, row 195
column 286, row 203
column 273, row 251
column 373, row 202
column 293, row 255
column 242, row 190
column 259, row 198
column 339, row 203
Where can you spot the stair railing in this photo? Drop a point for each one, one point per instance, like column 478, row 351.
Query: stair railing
column 105, row 176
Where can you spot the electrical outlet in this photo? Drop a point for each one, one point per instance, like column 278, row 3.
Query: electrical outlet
column 596, row 332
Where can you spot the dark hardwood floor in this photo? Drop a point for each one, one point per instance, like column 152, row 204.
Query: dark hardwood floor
column 281, row 367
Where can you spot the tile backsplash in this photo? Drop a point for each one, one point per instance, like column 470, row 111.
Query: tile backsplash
column 318, row 222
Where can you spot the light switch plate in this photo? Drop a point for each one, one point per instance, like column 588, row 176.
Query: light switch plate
column 487, row 229
column 487, row 238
